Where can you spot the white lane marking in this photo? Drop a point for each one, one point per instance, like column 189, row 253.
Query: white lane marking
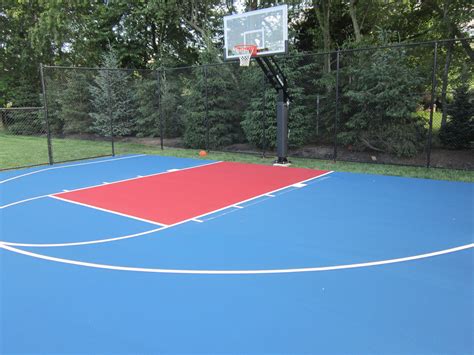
column 166, row 227
column 105, row 182
column 23, row 201
column 238, row 272
column 172, row 170
column 106, row 210
column 85, row 242
column 70, row 166
column 298, row 185
column 65, row 190
column 237, row 206
column 197, row 220
column 110, row 183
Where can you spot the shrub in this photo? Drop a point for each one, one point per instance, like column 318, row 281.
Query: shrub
column 458, row 132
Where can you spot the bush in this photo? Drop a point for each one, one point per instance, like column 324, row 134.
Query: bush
column 458, row 132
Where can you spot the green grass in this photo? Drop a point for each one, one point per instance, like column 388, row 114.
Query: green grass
column 21, row 151
column 437, row 116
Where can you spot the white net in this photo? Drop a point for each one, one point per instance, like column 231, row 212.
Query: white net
column 245, row 53
column 245, row 59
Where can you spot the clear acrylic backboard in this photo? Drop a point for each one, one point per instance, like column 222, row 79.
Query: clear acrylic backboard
column 265, row 28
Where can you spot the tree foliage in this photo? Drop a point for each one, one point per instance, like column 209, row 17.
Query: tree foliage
column 112, row 100
column 459, row 130
column 379, row 100
column 380, row 90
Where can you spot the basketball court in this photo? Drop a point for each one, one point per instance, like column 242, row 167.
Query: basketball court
column 147, row 254
column 153, row 254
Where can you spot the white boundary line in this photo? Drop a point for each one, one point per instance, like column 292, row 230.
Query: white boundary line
column 102, row 184
column 195, row 218
column 70, row 166
column 238, row 272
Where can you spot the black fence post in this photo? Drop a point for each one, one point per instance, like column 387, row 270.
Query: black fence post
column 46, row 116
column 317, row 114
column 336, row 114
column 160, row 112
column 264, row 115
column 109, row 110
column 432, row 101
column 206, row 105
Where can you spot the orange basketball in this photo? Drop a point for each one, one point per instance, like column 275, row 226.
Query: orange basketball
column 202, row 153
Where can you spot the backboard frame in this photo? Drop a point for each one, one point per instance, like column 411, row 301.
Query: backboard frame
column 284, row 26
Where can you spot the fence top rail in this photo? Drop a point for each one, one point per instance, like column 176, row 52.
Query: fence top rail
column 342, row 50
column 388, row 46
column 21, row 108
column 98, row 68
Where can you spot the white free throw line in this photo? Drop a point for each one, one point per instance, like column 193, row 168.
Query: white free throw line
column 70, row 166
column 196, row 219
column 238, row 272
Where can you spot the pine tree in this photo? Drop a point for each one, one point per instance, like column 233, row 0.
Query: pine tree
column 172, row 102
column 299, row 74
column 217, row 85
column 259, row 124
column 378, row 99
column 458, row 132
column 146, row 97
column 75, row 103
column 112, row 98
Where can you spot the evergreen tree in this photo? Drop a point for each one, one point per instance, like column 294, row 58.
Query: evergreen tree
column 459, row 130
column 222, row 124
column 146, row 97
column 172, row 102
column 75, row 103
column 299, row 72
column 112, row 98
column 259, row 124
column 379, row 97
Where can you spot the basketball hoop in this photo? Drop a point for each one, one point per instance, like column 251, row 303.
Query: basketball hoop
column 245, row 52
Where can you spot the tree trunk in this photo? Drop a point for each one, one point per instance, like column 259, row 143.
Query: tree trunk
column 454, row 29
column 447, row 64
column 355, row 24
column 322, row 9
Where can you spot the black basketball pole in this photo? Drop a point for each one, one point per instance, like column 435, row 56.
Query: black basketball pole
column 277, row 79
column 46, row 116
column 282, row 129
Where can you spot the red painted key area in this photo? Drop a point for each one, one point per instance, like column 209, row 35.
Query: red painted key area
column 173, row 197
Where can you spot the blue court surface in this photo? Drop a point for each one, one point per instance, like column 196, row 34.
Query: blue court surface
column 342, row 263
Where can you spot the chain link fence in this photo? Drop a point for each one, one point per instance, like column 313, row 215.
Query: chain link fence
column 408, row 104
column 22, row 137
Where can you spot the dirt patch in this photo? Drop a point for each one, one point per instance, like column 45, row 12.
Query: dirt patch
column 442, row 158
